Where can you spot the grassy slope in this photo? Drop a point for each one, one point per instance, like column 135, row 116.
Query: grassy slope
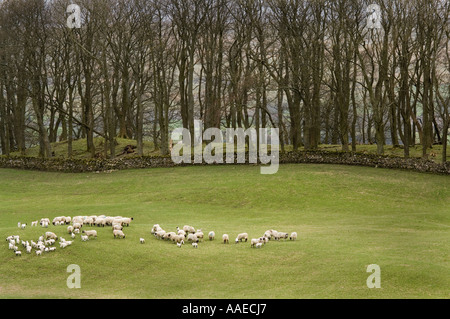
column 346, row 217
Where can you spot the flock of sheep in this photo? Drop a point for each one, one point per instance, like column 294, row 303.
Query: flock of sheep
column 46, row 242
column 189, row 234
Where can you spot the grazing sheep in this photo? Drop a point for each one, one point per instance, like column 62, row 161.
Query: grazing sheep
column 253, row 242
column 211, row 235
column 178, row 239
column 18, row 253
column 23, row 226
column 44, row 220
column 293, row 236
column 29, row 249
column 225, row 238
column 50, row 235
column 142, row 240
column 195, row 245
column 160, row 234
column 283, row 235
column 90, row 233
column 117, row 226
column 189, row 229
column 258, row 245
column 242, row 236
column 70, row 229
column 199, row 234
column 77, row 225
column 76, row 231
column 127, row 221
column 156, row 228
column 118, row 233
column 192, row 237
column 38, row 252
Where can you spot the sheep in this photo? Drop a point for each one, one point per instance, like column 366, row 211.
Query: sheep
column 23, row 226
column 160, row 234
column 242, row 236
column 263, row 239
column 63, row 245
column 9, row 238
column 195, row 245
column 72, row 236
column 178, row 238
column 29, row 249
column 282, row 235
column 70, row 229
column 192, row 237
column 17, row 238
column 258, row 245
column 127, row 221
column 179, row 245
column 181, row 232
column 118, row 227
column 76, row 231
column 34, row 223
column 211, row 235
column 199, row 234
column 142, row 240
column 88, row 221
column 38, row 252
column 293, row 236
column 156, row 228
column 189, row 229
column 19, row 225
column 11, row 246
column 77, row 225
column 100, row 222
column 169, row 235
column 50, row 235
column 254, row 241
column 118, row 233
column 84, row 238
column 18, row 253
column 68, row 220
column 90, row 233
column 225, row 238
column 44, row 224
column 52, row 249
column 46, row 220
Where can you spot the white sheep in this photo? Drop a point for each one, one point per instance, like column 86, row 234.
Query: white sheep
column 293, row 236
column 241, row 236
column 156, row 228
column 192, row 237
column 179, row 245
column 178, row 239
column 118, row 233
column 70, row 229
column 159, row 234
column 38, row 252
column 254, row 241
column 84, row 238
column 142, row 240
column 225, row 238
column 211, row 235
column 34, row 223
column 63, row 244
column 72, row 236
column 127, row 221
column 18, row 253
column 77, row 225
column 29, row 249
column 189, row 229
column 195, row 245
column 90, row 233
column 258, row 245
column 50, row 235
column 23, row 226
column 199, row 234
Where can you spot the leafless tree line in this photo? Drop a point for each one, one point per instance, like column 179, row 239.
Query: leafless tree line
column 138, row 68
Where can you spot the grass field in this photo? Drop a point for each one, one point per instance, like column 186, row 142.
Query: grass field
column 346, row 218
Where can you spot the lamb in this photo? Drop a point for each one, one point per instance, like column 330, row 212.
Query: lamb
column 72, row 236
column 52, row 249
column 242, row 236
column 23, row 226
column 211, row 235
column 34, row 223
column 50, row 235
column 16, row 238
column 192, row 237
column 63, row 245
column 293, row 236
column 179, row 245
column 18, row 253
column 258, row 245
column 142, row 240
column 195, row 245
column 118, row 233
column 90, row 233
column 29, row 249
column 45, row 224
column 11, row 246
column 84, row 238
column 225, row 238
